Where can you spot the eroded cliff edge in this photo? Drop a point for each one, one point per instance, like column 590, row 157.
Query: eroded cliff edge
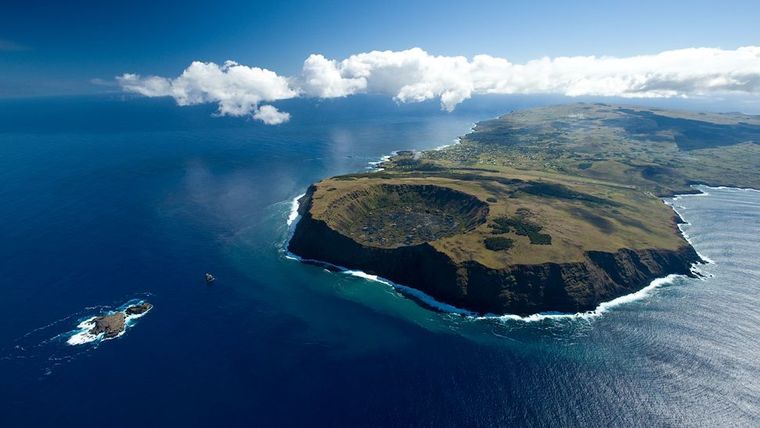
column 517, row 289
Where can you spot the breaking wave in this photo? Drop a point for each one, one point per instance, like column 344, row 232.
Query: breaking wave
column 293, row 216
column 603, row 307
column 673, row 204
column 82, row 334
column 374, row 166
column 415, row 294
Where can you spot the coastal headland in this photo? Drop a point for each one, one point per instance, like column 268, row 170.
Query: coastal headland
column 550, row 209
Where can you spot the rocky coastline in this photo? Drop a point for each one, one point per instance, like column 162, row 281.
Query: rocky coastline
column 520, row 289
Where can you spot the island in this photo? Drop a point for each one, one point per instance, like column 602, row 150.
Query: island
column 552, row 209
column 112, row 325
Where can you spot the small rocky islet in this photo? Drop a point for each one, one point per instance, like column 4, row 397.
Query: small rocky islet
column 112, row 325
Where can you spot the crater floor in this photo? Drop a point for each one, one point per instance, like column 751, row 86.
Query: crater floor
column 393, row 215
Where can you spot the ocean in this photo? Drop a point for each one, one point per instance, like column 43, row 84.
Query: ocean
column 109, row 200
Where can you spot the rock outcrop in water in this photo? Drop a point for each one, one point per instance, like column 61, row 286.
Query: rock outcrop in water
column 109, row 325
column 113, row 324
column 138, row 309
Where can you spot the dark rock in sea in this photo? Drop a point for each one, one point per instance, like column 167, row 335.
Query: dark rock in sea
column 113, row 324
column 138, row 309
column 109, row 325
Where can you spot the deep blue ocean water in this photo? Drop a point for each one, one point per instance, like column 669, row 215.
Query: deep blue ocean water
column 108, row 199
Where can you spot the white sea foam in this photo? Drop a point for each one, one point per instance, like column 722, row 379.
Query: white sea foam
column 453, row 143
column 689, row 240
column 735, row 189
column 82, row 333
column 375, row 165
column 129, row 320
column 603, row 307
column 408, row 291
column 413, row 292
column 293, row 216
column 430, row 301
column 682, row 226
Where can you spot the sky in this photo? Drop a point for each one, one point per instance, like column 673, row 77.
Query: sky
column 76, row 47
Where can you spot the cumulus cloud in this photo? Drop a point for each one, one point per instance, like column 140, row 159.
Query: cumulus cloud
column 238, row 90
column 270, row 115
column 414, row 75
column 323, row 78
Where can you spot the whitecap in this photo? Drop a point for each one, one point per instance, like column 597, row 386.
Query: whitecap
column 603, row 307
column 682, row 226
column 734, row 189
column 456, row 141
column 403, row 289
column 374, row 166
column 293, row 216
column 82, row 334
column 129, row 320
column 412, row 292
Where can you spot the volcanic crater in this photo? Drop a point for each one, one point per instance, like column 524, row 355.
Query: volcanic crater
column 396, row 215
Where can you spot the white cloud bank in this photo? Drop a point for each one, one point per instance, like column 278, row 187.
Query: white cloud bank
column 237, row 89
column 413, row 75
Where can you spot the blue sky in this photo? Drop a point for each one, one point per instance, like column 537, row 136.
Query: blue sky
column 59, row 47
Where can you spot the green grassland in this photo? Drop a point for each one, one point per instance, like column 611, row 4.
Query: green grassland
column 546, row 185
column 655, row 150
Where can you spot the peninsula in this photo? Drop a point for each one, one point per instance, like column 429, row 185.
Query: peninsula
column 549, row 209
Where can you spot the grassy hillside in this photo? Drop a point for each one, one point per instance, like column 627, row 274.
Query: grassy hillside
column 555, row 182
column 650, row 149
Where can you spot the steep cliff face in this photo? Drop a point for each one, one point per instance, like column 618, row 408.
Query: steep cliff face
column 517, row 289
